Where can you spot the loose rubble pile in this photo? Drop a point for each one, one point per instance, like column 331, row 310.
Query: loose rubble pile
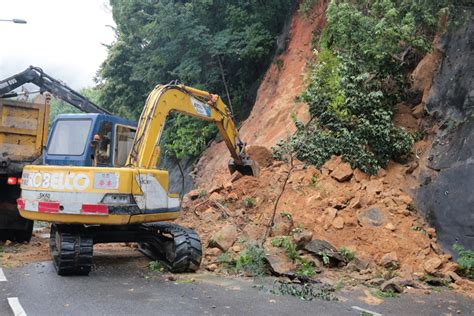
column 341, row 223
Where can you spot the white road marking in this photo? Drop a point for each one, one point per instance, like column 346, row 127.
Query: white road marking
column 366, row 310
column 16, row 306
column 2, row 276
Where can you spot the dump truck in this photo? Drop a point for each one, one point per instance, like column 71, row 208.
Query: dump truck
column 93, row 138
column 23, row 133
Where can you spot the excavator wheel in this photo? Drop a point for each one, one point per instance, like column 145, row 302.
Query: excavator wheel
column 71, row 249
column 177, row 247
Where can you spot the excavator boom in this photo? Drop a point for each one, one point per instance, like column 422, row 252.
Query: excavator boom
column 190, row 101
column 46, row 83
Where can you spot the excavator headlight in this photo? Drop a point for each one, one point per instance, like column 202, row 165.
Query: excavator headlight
column 117, row 199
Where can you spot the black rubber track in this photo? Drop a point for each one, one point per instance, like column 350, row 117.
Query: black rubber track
column 177, row 247
column 71, row 249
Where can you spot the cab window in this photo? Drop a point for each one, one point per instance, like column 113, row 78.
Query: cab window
column 123, row 144
column 104, row 140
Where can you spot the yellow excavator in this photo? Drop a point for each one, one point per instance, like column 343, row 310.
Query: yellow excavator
column 89, row 205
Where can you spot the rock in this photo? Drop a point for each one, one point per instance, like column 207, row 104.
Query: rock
column 432, row 265
column 343, row 172
column 332, row 163
column 371, row 217
column 228, row 186
column 438, row 281
column 390, row 261
column 232, row 196
column 418, row 111
column 253, row 232
column 376, row 282
column 390, row 227
column 211, row 267
column 329, row 215
column 216, row 197
column 279, row 262
column 360, row 175
column 454, row 276
column 283, row 225
column 7, row 243
column 236, row 248
column 216, row 188
column 302, row 238
column 412, row 167
column 319, row 247
column 431, row 232
column 224, row 238
column 210, row 215
column 338, row 223
column 213, row 252
column 236, row 176
column 355, row 203
column 194, row 194
column 374, row 187
column 392, row 285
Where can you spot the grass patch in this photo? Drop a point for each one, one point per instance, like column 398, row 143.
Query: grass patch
column 347, row 254
column 249, row 202
column 156, row 266
column 387, row 294
column 288, row 245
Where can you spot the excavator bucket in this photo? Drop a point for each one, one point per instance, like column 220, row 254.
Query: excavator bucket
column 247, row 167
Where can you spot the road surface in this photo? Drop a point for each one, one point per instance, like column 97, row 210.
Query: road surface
column 123, row 286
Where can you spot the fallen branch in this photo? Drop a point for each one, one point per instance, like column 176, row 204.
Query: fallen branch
column 275, row 206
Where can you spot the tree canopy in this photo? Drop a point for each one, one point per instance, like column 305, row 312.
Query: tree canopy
column 206, row 44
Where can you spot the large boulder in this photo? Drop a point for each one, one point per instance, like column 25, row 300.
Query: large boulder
column 224, row 238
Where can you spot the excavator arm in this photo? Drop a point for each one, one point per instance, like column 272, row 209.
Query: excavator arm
column 164, row 99
column 47, row 83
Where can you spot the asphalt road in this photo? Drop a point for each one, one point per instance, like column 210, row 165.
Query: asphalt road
column 118, row 287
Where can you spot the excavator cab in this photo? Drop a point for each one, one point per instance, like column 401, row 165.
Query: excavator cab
column 89, row 140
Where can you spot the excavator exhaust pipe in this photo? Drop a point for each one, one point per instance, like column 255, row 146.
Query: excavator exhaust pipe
column 247, row 167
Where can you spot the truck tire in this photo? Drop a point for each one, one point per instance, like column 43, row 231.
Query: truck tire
column 25, row 234
column 17, row 235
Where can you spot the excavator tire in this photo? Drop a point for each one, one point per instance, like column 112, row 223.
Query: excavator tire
column 177, row 247
column 71, row 249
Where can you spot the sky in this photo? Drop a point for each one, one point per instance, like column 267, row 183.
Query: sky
column 63, row 37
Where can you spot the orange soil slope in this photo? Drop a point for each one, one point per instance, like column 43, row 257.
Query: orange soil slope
column 270, row 119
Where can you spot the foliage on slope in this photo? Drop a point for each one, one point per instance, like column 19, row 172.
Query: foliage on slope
column 361, row 71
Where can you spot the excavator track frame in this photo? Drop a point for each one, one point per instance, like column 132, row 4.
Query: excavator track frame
column 178, row 248
column 71, row 249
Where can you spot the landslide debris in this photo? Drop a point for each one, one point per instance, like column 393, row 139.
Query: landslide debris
column 362, row 227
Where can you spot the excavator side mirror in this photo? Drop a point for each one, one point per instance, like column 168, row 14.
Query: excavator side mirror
column 248, row 167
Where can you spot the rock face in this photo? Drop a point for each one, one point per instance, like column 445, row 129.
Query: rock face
column 446, row 197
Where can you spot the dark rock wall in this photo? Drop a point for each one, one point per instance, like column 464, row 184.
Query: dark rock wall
column 446, row 195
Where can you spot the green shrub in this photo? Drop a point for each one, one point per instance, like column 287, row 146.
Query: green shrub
column 347, row 254
column 287, row 244
column 252, row 260
column 156, row 266
column 305, row 6
column 465, row 260
column 249, row 202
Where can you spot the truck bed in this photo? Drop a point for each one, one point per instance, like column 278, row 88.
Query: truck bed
column 23, row 132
